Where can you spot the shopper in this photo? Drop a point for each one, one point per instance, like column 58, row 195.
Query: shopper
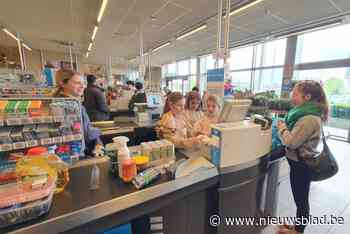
column 300, row 133
column 70, row 84
column 138, row 97
column 203, row 126
column 173, row 126
column 95, row 101
column 193, row 111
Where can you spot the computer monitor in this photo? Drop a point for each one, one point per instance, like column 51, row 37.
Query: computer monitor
column 234, row 110
column 154, row 100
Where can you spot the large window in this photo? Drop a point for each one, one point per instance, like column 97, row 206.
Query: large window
column 328, row 44
column 241, row 58
column 241, row 80
column 271, row 53
column 268, row 79
column 180, row 76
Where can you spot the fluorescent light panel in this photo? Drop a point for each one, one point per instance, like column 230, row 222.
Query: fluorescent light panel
column 162, row 46
column 245, row 7
column 192, row 32
column 94, row 33
column 10, row 34
column 27, row 47
column 102, row 10
column 90, row 46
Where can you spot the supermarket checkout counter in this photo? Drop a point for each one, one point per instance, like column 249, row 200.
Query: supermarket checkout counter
column 135, row 131
column 80, row 210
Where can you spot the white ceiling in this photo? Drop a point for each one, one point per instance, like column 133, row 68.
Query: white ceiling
column 41, row 22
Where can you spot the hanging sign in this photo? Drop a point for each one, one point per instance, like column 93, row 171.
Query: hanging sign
column 215, row 82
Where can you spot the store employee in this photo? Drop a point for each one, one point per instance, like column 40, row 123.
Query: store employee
column 70, row 84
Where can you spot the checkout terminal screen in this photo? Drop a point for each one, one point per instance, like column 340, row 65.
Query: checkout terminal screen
column 154, row 100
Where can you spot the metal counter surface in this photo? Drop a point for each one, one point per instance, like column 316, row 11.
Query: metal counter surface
column 78, row 206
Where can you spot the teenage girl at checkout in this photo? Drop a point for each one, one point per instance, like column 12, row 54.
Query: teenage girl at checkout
column 70, row 84
column 203, row 126
column 173, row 125
column 300, row 134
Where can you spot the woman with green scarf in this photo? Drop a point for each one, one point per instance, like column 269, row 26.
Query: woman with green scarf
column 300, row 133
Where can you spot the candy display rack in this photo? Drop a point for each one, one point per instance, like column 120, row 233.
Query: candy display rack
column 54, row 123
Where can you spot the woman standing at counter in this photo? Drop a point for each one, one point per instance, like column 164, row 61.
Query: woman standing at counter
column 202, row 127
column 173, row 125
column 300, row 134
column 70, row 84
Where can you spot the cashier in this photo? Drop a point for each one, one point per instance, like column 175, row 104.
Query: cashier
column 203, row 126
column 70, row 84
column 173, row 125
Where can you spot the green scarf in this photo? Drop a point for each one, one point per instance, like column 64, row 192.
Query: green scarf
column 308, row 108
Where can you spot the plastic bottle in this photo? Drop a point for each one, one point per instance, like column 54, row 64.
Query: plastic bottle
column 123, row 152
column 95, row 178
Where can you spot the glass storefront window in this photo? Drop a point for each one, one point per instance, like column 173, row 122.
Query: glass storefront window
column 271, row 53
column 241, row 58
column 241, row 80
column 193, row 66
column 268, row 79
column 183, row 68
column 327, row 44
column 171, row 70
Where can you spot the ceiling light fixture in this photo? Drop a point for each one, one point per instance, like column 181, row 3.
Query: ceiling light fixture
column 27, row 47
column 94, row 33
column 87, row 54
column 102, row 9
column 245, row 7
column 10, row 34
column 192, row 32
column 90, row 46
column 161, row 46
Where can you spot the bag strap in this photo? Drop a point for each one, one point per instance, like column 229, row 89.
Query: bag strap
column 325, row 146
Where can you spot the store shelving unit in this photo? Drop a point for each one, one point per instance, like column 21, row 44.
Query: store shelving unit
column 30, row 122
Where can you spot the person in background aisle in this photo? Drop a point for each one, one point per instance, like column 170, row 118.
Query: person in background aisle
column 95, row 101
column 300, row 134
column 202, row 127
column 195, row 88
column 172, row 125
column 70, row 84
column 129, row 90
column 193, row 111
column 138, row 97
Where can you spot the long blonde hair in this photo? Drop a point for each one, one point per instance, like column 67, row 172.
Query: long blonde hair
column 317, row 94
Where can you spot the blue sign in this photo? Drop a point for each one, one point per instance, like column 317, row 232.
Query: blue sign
column 216, row 75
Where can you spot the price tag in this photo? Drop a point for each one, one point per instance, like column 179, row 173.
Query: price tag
column 32, row 143
column 58, row 119
column 13, row 121
column 77, row 137
column 57, row 140
column 5, row 147
column 36, row 120
column 46, row 119
column 46, row 141
column 19, row 145
column 68, row 138
column 26, row 121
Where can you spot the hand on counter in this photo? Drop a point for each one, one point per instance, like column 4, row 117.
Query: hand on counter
column 98, row 151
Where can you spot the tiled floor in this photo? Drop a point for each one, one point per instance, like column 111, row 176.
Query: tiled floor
column 329, row 197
